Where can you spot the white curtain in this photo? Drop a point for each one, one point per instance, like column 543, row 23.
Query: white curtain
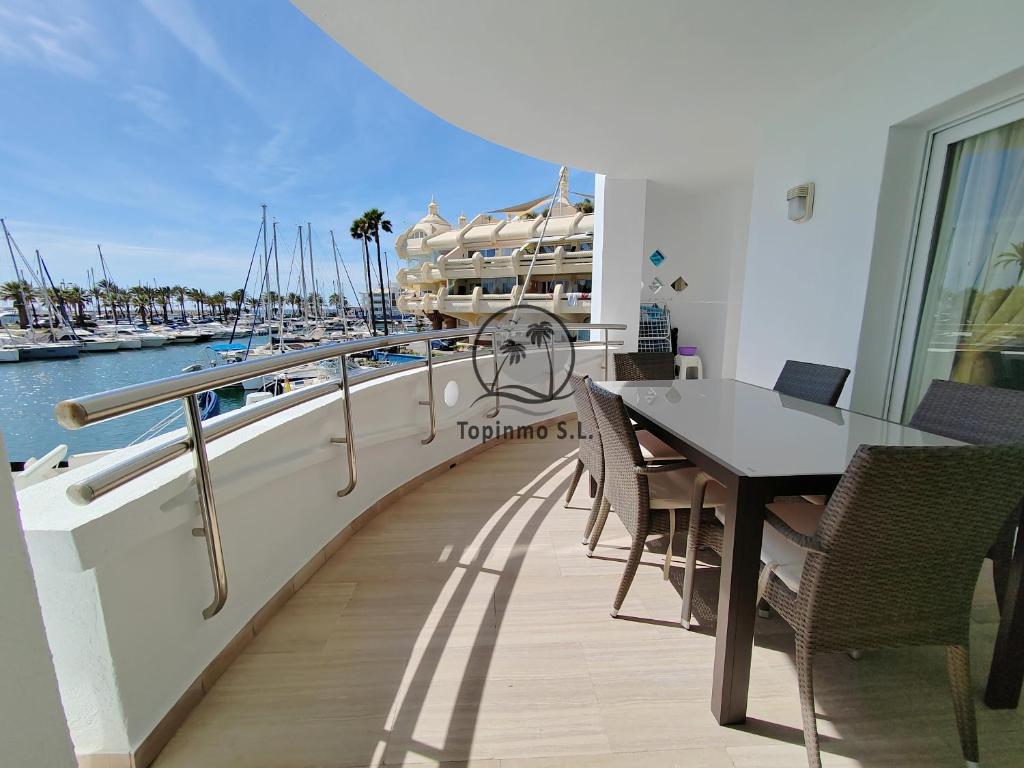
column 974, row 301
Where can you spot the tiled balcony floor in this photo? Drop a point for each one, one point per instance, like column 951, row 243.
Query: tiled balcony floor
column 465, row 626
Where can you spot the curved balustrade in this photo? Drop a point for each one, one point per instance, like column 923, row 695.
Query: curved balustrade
column 92, row 409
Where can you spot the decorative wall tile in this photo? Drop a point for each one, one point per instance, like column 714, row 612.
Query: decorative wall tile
column 657, row 257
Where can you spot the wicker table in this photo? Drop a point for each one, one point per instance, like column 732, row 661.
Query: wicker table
column 759, row 444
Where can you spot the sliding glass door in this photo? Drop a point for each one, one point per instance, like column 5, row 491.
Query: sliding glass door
column 967, row 288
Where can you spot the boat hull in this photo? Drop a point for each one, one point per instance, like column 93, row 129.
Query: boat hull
column 49, row 352
column 9, row 355
column 101, row 346
column 150, row 341
column 129, row 344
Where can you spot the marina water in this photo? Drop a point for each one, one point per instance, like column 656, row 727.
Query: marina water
column 31, row 389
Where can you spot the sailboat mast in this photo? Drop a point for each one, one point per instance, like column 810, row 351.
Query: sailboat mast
column 17, row 272
column 280, row 298
column 302, row 278
column 46, row 296
column 340, row 291
column 266, row 273
column 312, row 272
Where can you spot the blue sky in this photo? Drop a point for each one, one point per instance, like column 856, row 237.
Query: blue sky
column 157, row 127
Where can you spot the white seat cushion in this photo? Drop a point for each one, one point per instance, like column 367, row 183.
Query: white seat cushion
column 777, row 549
column 674, row 490
column 652, row 448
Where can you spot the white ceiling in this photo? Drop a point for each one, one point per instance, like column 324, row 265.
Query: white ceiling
column 662, row 89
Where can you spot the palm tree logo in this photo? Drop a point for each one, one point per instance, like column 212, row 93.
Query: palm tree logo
column 533, row 354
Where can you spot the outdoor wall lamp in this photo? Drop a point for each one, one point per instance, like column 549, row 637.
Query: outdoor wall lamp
column 801, row 202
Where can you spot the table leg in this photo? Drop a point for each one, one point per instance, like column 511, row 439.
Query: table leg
column 737, row 598
column 1006, row 674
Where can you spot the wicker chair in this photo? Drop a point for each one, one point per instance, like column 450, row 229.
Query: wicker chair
column 811, row 381
column 589, row 455
column 650, row 500
column 892, row 563
column 644, row 366
column 983, row 416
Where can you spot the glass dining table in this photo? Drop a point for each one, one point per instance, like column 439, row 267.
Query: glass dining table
column 758, row 444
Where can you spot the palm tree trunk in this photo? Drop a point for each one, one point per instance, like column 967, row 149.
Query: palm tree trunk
column 369, row 286
column 380, row 282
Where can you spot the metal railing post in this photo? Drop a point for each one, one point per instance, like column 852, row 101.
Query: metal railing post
column 430, row 397
column 207, row 506
column 349, row 439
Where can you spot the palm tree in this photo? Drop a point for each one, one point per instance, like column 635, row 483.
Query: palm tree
column 237, row 297
column 139, row 295
column 164, row 294
column 360, row 231
column 19, row 292
column 219, row 300
column 180, row 291
column 1013, row 258
column 292, row 299
column 376, row 223
column 198, row 297
column 586, row 205
column 106, row 290
column 75, row 296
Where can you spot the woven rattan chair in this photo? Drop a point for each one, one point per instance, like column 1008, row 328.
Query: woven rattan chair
column 892, row 563
column 811, row 381
column 589, row 455
column 983, row 416
column 644, row 366
column 650, row 500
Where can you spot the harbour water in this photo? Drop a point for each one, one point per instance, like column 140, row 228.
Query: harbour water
column 29, row 390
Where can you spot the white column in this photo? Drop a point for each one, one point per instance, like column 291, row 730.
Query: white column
column 32, row 726
column 620, row 206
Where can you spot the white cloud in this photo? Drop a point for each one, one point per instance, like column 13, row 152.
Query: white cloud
column 180, row 19
column 65, row 43
column 155, row 105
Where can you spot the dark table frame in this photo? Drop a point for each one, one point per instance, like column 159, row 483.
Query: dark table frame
column 741, row 558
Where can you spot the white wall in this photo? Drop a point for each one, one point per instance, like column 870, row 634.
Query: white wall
column 122, row 582
column 806, row 285
column 703, row 235
column 32, row 726
column 619, row 205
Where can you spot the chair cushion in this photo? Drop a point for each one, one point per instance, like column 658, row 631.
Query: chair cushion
column 652, row 448
column 776, row 548
column 674, row 490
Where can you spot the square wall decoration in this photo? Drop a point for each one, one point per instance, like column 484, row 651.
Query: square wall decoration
column 655, row 285
column 657, row 257
column 679, row 284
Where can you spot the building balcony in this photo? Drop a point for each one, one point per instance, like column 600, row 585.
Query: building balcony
column 478, row 266
column 478, row 305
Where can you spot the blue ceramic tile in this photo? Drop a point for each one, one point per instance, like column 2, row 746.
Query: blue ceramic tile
column 657, row 257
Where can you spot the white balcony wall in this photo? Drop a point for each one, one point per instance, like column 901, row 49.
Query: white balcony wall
column 122, row 582
column 703, row 235
column 32, row 726
column 618, row 247
column 828, row 290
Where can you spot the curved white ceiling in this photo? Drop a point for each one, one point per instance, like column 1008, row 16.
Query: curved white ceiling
column 662, row 89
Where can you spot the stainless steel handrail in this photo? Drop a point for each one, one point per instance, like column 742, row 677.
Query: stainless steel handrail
column 92, row 409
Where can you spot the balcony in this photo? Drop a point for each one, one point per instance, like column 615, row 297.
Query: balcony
column 518, row 264
column 477, row 305
column 463, row 623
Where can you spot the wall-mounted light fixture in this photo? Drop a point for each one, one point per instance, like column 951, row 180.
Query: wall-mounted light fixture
column 801, row 202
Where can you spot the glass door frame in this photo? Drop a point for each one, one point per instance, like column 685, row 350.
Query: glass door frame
column 924, row 232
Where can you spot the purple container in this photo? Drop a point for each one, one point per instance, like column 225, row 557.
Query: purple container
column 687, row 351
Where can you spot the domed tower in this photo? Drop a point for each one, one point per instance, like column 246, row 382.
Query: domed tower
column 411, row 245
